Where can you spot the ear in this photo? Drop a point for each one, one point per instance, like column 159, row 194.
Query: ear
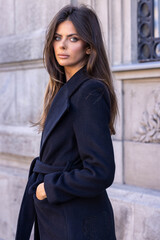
column 88, row 51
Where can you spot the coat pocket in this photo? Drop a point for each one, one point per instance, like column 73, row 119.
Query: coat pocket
column 39, row 201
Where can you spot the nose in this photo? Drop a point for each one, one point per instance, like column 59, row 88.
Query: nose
column 63, row 44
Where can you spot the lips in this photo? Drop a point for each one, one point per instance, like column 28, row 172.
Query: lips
column 63, row 56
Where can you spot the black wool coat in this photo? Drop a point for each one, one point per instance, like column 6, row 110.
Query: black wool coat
column 76, row 164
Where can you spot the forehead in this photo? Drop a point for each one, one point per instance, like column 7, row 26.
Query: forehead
column 66, row 28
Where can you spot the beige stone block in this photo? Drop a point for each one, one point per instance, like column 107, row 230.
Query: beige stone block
column 119, row 119
column 123, row 220
column 7, row 97
column 127, row 31
column 30, row 88
column 34, row 15
column 26, row 47
column 23, row 141
column 115, row 29
column 142, row 165
column 136, row 211
column 129, row 25
column 133, row 33
column 87, row 2
column 21, row 96
column 117, row 145
column 7, row 18
column 147, row 223
column 12, row 183
column 4, row 203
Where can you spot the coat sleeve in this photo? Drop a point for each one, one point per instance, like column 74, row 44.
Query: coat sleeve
column 94, row 146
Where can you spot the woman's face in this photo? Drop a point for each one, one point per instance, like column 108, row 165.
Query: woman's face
column 70, row 50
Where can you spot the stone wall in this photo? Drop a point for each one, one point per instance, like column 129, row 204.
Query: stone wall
column 135, row 194
column 137, row 201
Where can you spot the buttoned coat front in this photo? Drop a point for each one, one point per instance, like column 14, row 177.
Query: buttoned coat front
column 76, row 164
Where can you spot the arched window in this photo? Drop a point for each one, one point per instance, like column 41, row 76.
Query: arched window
column 148, row 30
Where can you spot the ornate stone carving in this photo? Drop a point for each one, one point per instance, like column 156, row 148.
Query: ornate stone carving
column 149, row 129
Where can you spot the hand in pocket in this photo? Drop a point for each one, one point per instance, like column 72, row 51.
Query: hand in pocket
column 40, row 192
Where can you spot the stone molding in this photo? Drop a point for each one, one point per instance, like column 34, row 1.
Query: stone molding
column 22, row 65
column 137, row 71
column 135, row 195
column 135, row 66
column 14, row 161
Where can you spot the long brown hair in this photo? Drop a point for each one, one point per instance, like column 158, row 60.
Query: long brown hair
column 87, row 25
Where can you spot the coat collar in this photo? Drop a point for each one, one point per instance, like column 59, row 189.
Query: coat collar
column 60, row 103
column 76, row 80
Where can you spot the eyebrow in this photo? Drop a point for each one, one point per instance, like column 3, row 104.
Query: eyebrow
column 70, row 35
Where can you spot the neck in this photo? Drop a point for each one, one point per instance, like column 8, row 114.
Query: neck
column 70, row 71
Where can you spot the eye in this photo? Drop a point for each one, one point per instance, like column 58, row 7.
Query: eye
column 74, row 39
column 57, row 38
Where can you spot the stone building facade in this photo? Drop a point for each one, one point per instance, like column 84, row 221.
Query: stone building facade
column 135, row 194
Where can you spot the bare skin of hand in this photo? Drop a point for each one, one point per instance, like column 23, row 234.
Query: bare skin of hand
column 40, row 192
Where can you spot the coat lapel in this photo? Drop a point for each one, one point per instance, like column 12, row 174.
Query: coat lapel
column 58, row 107
column 61, row 103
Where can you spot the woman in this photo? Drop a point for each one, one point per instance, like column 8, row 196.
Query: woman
column 66, row 190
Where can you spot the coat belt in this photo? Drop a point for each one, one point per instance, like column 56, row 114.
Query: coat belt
column 27, row 213
column 44, row 168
